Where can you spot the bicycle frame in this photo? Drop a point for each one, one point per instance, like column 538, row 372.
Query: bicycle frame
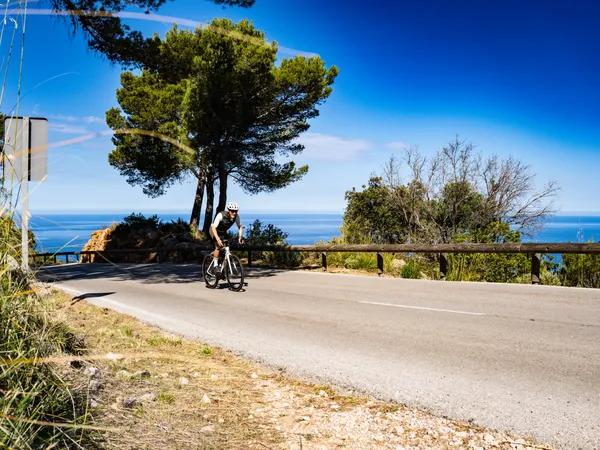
column 226, row 258
column 230, row 261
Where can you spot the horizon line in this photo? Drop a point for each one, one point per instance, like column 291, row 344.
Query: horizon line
column 250, row 211
column 170, row 211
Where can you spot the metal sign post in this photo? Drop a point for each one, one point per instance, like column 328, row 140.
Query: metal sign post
column 25, row 157
column 25, row 198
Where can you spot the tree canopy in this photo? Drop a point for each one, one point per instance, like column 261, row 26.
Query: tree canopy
column 218, row 91
column 105, row 33
column 147, row 160
column 455, row 196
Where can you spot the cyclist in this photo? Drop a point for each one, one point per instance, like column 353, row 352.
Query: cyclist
column 223, row 222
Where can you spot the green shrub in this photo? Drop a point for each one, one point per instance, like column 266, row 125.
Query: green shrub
column 361, row 261
column 580, row 270
column 10, row 244
column 34, row 391
column 138, row 222
column 548, row 278
column 258, row 233
column 176, row 227
column 411, row 270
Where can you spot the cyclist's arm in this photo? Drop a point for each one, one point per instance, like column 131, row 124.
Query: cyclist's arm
column 238, row 221
column 214, row 226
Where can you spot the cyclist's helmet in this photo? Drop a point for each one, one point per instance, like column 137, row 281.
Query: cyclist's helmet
column 232, row 206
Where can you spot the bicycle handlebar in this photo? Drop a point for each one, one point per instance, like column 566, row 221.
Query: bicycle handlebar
column 226, row 242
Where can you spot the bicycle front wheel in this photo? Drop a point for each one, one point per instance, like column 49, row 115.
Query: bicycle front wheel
column 211, row 278
column 235, row 273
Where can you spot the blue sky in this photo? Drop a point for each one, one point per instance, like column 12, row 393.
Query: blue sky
column 516, row 78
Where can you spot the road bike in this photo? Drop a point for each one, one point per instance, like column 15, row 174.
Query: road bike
column 227, row 267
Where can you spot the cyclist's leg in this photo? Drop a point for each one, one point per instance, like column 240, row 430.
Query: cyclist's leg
column 217, row 252
column 214, row 242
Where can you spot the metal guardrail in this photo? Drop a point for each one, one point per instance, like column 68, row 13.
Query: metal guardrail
column 535, row 250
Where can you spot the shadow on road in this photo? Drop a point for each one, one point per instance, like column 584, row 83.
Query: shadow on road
column 144, row 273
column 90, row 295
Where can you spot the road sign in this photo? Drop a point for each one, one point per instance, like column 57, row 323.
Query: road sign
column 25, row 159
column 25, row 137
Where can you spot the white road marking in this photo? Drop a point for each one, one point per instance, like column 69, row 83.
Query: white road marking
column 179, row 322
column 425, row 308
column 142, row 313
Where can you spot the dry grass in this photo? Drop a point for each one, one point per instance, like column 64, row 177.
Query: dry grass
column 195, row 396
column 199, row 397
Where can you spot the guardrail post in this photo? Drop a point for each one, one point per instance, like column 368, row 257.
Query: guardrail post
column 379, row 264
column 67, row 258
column 249, row 258
column 324, row 261
column 535, row 268
column 443, row 266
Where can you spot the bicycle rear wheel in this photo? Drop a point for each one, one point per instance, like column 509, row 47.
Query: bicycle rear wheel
column 211, row 278
column 235, row 273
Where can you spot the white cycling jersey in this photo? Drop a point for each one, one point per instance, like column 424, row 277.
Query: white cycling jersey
column 224, row 221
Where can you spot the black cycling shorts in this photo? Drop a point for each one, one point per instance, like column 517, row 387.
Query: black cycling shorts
column 214, row 240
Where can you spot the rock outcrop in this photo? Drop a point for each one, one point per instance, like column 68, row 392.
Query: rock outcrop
column 97, row 242
column 168, row 246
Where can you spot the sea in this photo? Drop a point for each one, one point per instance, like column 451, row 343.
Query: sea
column 70, row 232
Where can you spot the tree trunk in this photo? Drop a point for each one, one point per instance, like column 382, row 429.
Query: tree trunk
column 210, row 199
column 196, row 209
column 222, row 185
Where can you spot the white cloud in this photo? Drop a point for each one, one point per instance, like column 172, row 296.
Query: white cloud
column 61, row 117
column 67, row 128
column 332, row 148
column 87, row 119
column 92, row 119
column 293, row 52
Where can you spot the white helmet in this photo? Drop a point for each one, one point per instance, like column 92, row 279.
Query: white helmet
column 233, row 206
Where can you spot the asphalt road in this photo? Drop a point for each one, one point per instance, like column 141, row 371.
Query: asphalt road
column 518, row 358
